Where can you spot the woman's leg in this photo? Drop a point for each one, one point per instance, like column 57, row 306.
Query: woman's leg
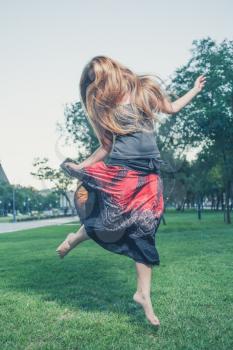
column 71, row 241
column 142, row 295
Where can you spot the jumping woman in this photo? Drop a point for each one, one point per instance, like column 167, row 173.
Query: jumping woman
column 119, row 198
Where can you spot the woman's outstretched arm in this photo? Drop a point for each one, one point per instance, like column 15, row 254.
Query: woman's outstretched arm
column 174, row 107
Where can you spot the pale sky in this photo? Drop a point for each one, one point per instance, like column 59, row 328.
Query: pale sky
column 45, row 45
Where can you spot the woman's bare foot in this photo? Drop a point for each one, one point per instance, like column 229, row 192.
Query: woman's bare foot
column 65, row 247
column 148, row 308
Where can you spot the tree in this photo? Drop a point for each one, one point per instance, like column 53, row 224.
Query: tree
column 208, row 120
column 77, row 129
column 60, row 181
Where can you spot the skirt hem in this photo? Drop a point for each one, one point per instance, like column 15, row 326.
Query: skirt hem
column 126, row 254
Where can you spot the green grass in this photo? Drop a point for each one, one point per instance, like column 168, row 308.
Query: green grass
column 85, row 300
column 5, row 219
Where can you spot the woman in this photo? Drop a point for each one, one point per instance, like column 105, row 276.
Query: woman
column 120, row 197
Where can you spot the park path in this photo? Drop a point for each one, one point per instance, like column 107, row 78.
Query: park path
column 6, row 227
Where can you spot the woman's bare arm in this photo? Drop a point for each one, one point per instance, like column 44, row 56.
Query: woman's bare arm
column 99, row 154
column 176, row 106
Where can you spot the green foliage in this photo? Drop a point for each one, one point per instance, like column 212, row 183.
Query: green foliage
column 207, row 121
column 209, row 116
column 78, row 130
column 60, row 181
column 26, row 199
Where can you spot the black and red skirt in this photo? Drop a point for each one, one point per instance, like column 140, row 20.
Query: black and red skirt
column 120, row 208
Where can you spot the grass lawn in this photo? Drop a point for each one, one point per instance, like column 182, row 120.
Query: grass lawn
column 5, row 219
column 85, row 300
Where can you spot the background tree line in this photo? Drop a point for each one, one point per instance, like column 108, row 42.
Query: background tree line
column 27, row 199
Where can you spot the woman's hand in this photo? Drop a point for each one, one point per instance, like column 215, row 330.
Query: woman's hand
column 199, row 83
column 73, row 166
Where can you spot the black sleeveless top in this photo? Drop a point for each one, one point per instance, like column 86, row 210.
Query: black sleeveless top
column 139, row 144
column 137, row 150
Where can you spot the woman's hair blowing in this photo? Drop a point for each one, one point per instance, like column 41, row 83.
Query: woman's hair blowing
column 104, row 83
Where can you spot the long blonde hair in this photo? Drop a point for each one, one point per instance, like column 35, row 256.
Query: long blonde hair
column 104, row 83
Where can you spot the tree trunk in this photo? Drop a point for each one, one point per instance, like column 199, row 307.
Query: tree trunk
column 212, row 203
column 183, row 205
column 199, row 207
column 218, row 202
column 163, row 220
column 228, row 214
column 69, row 202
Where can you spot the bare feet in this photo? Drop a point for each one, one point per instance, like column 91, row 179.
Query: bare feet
column 65, row 247
column 148, row 308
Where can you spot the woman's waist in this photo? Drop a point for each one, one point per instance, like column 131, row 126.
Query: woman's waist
column 147, row 164
column 134, row 149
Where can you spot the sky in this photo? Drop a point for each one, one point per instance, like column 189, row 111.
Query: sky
column 46, row 44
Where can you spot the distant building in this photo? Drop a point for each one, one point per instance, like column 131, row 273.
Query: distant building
column 3, row 177
column 64, row 202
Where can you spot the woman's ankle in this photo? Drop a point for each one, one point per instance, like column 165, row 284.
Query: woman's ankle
column 144, row 295
column 73, row 239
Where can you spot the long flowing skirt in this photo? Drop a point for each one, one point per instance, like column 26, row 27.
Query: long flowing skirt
column 120, row 208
